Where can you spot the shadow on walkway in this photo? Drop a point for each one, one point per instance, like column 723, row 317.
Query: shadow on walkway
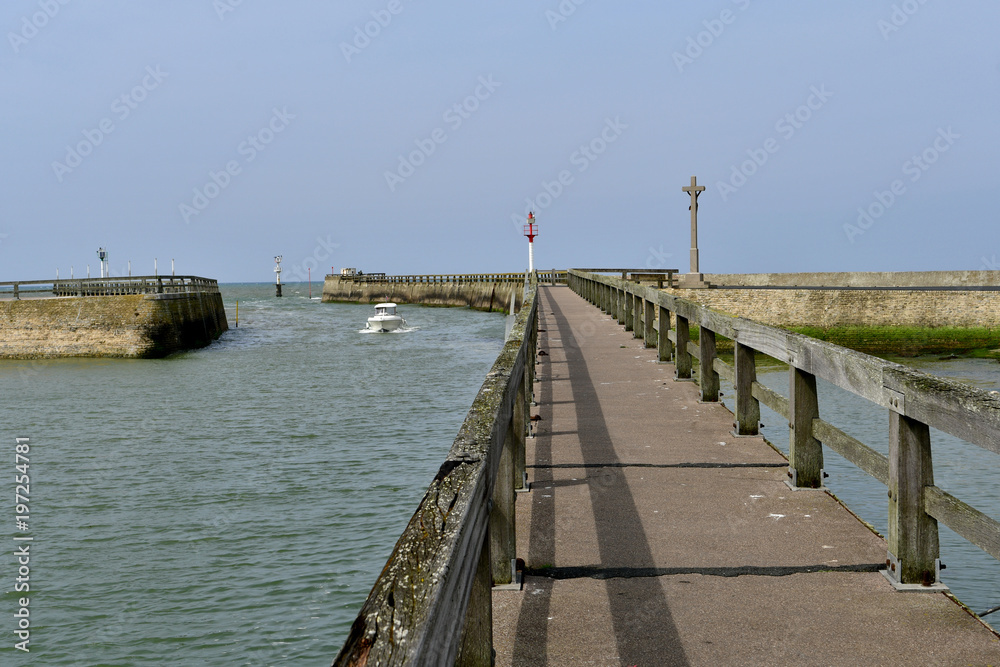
column 643, row 624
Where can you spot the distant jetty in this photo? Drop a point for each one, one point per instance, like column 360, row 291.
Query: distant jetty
column 135, row 317
column 479, row 291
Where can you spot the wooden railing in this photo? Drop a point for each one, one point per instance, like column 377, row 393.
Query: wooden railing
column 455, row 278
column 109, row 286
column 431, row 605
column 915, row 402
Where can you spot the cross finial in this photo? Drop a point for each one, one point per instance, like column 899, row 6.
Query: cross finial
column 694, row 190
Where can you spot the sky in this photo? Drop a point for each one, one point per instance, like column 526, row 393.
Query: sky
column 402, row 136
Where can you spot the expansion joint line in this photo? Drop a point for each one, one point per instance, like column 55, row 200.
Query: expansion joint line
column 596, row 572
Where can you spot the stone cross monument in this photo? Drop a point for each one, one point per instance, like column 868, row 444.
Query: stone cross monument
column 694, row 278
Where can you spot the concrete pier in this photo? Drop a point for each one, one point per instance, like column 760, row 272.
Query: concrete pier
column 141, row 317
column 652, row 536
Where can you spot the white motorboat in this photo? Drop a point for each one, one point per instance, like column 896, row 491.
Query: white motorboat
column 385, row 318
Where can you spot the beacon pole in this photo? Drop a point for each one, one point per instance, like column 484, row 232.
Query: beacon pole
column 277, row 275
column 531, row 231
column 102, row 255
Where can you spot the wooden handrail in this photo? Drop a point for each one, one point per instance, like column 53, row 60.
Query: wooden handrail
column 914, row 400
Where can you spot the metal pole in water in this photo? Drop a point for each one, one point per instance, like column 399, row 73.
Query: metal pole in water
column 277, row 273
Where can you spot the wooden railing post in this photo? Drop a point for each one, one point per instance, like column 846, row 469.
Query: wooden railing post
column 747, row 407
column 629, row 310
column 520, row 429
column 620, row 305
column 648, row 334
column 636, row 316
column 913, row 534
column 502, row 520
column 682, row 361
column 805, row 452
column 665, row 347
column 477, row 634
column 708, row 377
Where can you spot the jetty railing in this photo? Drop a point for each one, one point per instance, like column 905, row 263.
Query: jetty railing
column 452, row 278
column 108, row 286
column 659, row 276
column 915, row 402
column 431, row 605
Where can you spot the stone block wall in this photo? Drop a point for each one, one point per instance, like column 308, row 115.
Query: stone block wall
column 135, row 325
column 479, row 296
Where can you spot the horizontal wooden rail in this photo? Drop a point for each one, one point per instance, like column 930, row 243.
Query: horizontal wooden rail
column 915, row 402
column 724, row 369
column 964, row 519
column 853, row 450
column 770, row 398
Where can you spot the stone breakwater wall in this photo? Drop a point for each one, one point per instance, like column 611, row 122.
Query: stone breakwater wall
column 885, row 321
column 479, row 295
column 859, row 279
column 133, row 325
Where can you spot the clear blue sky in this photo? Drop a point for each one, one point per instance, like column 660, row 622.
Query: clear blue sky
column 347, row 149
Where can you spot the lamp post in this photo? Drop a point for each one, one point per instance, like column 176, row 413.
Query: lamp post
column 531, row 231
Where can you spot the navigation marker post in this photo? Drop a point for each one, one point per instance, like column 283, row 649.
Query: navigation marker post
column 102, row 255
column 277, row 275
column 531, row 231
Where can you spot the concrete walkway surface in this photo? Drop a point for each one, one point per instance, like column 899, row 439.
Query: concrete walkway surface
column 652, row 536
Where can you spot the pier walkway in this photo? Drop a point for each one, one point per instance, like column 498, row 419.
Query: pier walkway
column 652, row 536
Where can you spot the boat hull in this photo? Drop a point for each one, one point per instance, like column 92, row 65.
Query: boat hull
column 385, row 323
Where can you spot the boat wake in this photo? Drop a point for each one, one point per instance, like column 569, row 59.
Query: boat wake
column 400, row 330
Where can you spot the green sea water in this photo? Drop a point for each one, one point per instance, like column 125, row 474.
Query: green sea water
column 231, row 505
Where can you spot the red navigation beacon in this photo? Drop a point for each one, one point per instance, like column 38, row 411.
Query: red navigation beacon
column 531, row 231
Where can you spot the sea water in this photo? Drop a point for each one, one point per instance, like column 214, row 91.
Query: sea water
column 231, row 505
